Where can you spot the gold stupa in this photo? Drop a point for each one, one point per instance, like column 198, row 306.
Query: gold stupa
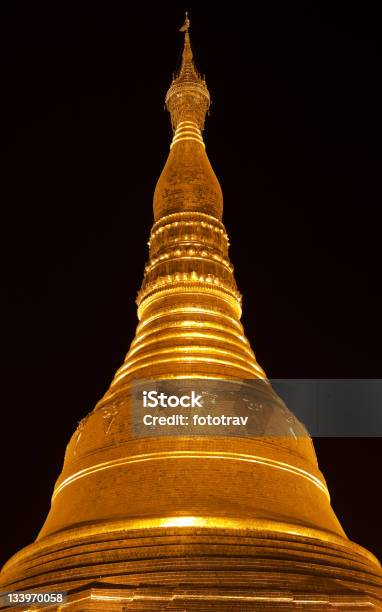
column 191, row 523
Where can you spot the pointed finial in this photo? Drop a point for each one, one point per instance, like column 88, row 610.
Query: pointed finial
column 187, row 51
column 186, row 26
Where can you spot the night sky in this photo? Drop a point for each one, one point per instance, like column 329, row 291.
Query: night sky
column 294, row 136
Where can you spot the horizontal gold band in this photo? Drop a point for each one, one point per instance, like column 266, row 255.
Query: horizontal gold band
column 338, row 601
column 206, row 326
column 193, row 217
column 221, row 292
column 256, row 372
column 190, row 349
column 187, row 122
column 115, row 463
column 173, row 258
column 141, row 344
column 189, row 310
column 188, row 130
column 250, row 526
column 188, row 126
column 187, row 138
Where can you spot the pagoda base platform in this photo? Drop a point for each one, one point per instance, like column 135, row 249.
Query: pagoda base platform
column 184, row 568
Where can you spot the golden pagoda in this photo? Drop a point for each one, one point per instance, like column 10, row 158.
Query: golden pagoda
column 192, row 522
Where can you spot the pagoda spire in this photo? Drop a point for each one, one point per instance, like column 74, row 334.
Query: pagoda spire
column 188, row 98
column 189, row 280
column 187, row 66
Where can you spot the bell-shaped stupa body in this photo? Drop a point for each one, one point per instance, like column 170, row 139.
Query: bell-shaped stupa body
column 185, row 522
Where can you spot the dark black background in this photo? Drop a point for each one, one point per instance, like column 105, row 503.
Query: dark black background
column 294, row 136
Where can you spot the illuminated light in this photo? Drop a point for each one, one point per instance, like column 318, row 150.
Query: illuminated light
column 167, row 455
column 255, row 371
column 168, row 225
column 188, row 126
column 208, row 336
column 205, row 325
column 147, row 299
column 180, row 521
column 232, row 597
column 188, row 129
column 167, row 219
column 187, row 132
column 196, row 257
column 187, row 138
column 190, row 349
column 313, row 601
column 191, row 309
column 188, row 122
column 150, row 292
